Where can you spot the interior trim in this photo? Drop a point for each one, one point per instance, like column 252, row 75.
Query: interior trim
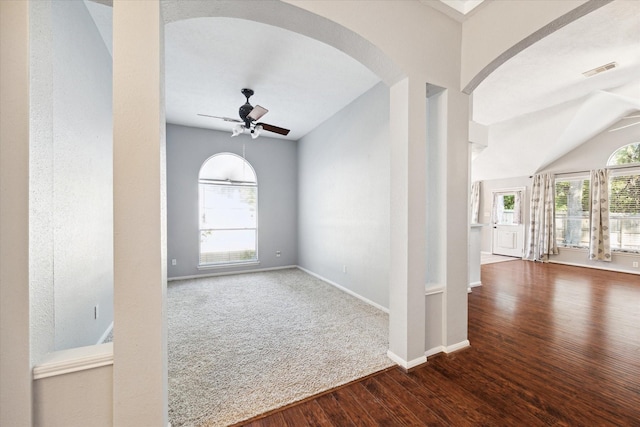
column 74, row 360
column 550, row 28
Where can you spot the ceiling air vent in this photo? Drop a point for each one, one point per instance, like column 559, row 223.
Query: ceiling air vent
column 600, row 69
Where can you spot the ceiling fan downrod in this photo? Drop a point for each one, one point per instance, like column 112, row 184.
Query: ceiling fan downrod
column 246, row 108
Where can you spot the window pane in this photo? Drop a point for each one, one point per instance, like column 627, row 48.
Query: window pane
column 227, row 206
column 628, row 154
column 624, row 216
column 572, row 212
column 225, row 246
column 228, row 210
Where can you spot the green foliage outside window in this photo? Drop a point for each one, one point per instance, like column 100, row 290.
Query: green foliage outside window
column 567, row 192
column 624, row 194
column 626, row 155
column 509, row 202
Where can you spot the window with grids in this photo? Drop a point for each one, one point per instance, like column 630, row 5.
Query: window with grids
column 228, row 214
column 624, row 211
column 624, row 198
column 572, row 212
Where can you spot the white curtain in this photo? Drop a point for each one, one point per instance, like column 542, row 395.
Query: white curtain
column 497, row 208
column 599, row 242
column 517, row 214
column 475, row 202
column 542, row 230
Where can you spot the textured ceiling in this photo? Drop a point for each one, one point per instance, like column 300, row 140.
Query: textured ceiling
column 538, row 106
column 550, row 71
column 301, row 81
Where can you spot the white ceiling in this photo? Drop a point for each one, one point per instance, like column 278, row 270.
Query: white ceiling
column 550, row 71
column 301, row 81
column 537, row 106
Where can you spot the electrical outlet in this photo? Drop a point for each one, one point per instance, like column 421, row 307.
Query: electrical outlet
column 96, row 311
column 278, row 253
column 635, row 264
column 174, row 262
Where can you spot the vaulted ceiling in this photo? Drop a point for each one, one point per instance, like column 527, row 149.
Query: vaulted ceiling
column 536, row 107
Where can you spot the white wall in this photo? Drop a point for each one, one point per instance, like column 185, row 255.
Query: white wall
column 594, row 153
column 82, row 177
column 275, row 163
column 71, row 213
column 344, row 197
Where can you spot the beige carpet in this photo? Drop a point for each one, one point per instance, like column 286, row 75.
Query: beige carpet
column 245, row 344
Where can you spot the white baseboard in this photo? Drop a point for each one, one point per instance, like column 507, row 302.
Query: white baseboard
column 403, row 363
column 228, row 273
column 343, row 289
column 434, row 351
column 475, row 284
column 105, row 334
column 447, row 349
column 456, row 347
column 595, row 267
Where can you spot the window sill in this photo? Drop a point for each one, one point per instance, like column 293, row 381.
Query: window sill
column 230, row 265
column 617, row 252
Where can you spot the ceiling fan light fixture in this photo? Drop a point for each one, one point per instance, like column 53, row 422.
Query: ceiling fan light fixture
column 237, row 130
column 255, row 132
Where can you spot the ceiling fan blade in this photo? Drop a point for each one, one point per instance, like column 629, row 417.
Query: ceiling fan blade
column 274, row 129
column 257, row 112
column 632, row 117
column 625, row 126
column 226, row 119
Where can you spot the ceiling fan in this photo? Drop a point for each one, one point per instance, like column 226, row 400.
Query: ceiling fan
column 249, row 115
column 635, row 116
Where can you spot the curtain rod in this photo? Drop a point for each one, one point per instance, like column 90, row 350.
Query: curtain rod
column 635, row 165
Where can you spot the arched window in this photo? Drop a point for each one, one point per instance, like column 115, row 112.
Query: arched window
column 228, row 213
column 629, row 154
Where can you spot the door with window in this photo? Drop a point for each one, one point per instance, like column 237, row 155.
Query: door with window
column 508, row 230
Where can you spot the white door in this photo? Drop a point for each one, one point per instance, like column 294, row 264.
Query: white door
column 507, row 240
column 508, row 230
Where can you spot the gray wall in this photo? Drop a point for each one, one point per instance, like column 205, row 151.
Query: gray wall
column 344, row 197
column 71, row 147
column 275, row 163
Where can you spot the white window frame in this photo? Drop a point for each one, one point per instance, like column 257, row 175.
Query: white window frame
column 226, row 181
column 572, row 177
column 622, row 170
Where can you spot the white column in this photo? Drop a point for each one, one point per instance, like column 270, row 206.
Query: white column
column 140, row 351
column 15, row 364
column 408, row 223
column 457, row 233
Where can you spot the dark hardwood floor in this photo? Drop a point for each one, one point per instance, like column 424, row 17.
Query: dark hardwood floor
column 551, row 345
